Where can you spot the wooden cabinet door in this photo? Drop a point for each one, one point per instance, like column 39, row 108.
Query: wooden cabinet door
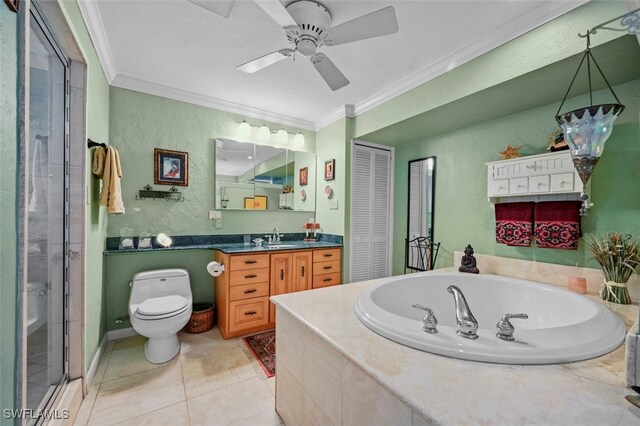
column 302, row 270
column 281, row 278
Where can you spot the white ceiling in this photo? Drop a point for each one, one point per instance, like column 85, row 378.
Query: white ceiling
column 176, row 49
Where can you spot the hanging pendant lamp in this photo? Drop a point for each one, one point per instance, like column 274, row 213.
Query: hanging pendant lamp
column 587, row 129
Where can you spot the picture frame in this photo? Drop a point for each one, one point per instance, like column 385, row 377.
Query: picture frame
column 249, row 203
column 258, row 202
column 330, row 169
column 170, row 167
column 303, row 176
column 13, row 5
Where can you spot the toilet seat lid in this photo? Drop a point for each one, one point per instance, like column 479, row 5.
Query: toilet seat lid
column 162, row 305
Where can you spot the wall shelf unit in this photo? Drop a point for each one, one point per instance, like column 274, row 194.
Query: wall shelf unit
column 542, row 177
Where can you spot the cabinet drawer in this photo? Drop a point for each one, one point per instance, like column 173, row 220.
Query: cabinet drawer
column 539, row 183
column 562, row 182
column 249, row 276
column 499, row 187
column 326, row 280
column 250, row 313
column 249, row 261
column 326, row 255
column 248, row 291
column 326, row 267
column 519, row 185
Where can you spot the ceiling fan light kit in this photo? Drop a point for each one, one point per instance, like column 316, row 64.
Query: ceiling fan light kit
column 307, row 26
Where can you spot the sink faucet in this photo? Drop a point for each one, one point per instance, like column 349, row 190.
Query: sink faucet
column 275, row 239
column 467, row 323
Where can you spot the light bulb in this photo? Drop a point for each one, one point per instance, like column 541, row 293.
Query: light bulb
column 298, row 140
column 244, row 129
column 283, row 137
column 264, row 133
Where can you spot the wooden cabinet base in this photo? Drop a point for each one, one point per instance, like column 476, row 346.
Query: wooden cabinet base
column 242, row 291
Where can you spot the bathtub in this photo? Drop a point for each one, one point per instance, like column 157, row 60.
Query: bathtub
column 562, row 326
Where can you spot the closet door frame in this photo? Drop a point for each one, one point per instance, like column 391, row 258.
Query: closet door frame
column 392, row 168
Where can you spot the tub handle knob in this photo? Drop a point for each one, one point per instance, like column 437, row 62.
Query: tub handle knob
column 505, row 328
column 430, row 322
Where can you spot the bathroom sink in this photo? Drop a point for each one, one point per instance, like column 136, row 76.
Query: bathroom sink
column 561, row 327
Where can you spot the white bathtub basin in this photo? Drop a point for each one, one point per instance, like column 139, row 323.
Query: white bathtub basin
column 562, row 326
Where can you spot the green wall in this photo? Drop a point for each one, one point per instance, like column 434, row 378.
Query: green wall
column 97, row 122
column 463, row 214
column 8, row 206
column 141, row 122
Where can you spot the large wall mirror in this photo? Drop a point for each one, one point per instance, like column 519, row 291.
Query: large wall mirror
column 262, row 177
column 419, row 250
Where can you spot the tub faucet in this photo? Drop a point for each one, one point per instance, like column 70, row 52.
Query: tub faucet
column 467, row 323
column 505, row 328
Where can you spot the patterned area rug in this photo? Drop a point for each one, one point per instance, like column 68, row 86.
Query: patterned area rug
column 263, row 347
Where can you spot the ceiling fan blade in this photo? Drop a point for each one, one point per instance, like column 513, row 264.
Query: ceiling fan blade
column 277, row 12
column 219, row 7
column 375, row 24
column 264, row 61
column 329, row 72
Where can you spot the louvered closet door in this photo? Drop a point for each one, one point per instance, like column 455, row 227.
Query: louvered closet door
column 416, row 213
column 370, row 216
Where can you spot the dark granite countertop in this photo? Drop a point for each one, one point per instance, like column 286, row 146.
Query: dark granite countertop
column 231, row 244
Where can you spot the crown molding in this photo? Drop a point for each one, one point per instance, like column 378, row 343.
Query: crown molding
column 501, row 35
column 93, row 22
column 132, row 83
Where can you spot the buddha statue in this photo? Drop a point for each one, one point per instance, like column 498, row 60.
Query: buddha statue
column 468, row 262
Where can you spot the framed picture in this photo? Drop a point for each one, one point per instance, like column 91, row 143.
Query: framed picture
column 13, row 5
column 170, row 167
column 330, row 169
column 260, row 202
column 249, row 203
column 304, row 176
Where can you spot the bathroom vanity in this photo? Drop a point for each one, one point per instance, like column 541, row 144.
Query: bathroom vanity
column 252, row 275
column 334, row 370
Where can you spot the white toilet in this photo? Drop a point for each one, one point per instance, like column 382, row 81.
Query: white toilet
column 159, row 306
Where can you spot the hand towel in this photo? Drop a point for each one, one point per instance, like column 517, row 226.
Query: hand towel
column 107, row 166
column 514, row 223
column 39, row 176
column 557, row 224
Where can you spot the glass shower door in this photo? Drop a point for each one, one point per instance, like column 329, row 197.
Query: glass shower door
column 47, row 208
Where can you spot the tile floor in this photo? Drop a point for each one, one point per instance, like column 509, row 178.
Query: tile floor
column 211, row 382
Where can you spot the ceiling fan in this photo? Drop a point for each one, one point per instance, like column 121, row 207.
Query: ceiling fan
column 307, row 25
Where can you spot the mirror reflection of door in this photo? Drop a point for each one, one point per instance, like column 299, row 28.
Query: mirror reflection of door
column 420, row 230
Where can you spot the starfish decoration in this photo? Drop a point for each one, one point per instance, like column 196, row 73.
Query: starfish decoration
column 510, row 152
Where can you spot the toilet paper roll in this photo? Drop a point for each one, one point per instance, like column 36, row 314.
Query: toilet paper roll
column 215, row 269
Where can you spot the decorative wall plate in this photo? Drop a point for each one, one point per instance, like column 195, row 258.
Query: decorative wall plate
column 328, row 191
column 303, row 195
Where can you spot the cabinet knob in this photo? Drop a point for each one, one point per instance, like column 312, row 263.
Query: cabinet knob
column 328, row 255
column 251, row 276
column 250, row 313
column 281, row 274
column 250, row 262
column 253, row 290
column 326, row 280
column 327, row 267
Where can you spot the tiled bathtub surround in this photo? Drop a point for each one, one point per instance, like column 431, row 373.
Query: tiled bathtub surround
column 189, row 242
column 363, row 378
column 544, row 272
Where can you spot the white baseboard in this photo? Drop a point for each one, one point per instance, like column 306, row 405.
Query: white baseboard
column 121, row 333
column 91, row 372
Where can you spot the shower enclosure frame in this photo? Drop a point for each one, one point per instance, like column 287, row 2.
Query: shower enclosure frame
column 52, row 21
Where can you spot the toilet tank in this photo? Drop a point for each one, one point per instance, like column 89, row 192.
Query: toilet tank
column 158, row 283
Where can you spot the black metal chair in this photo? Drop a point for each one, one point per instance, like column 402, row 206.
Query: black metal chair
column 420, row 254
